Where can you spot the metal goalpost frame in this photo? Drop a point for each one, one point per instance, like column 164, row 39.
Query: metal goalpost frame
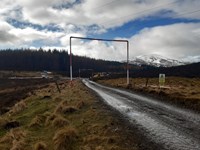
column 109, row 40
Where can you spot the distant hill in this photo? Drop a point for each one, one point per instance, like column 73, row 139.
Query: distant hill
column 39, row 60
column 190, row 70
column 32, row 60
column 156, row 61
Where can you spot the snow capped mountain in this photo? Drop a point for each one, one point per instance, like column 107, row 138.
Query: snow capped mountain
column 156, row 61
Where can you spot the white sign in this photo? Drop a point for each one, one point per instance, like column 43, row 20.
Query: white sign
column 161, row 79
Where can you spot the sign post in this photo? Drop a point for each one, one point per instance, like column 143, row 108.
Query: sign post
column 161, row 80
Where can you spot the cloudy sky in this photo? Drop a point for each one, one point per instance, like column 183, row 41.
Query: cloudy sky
column 170, row 28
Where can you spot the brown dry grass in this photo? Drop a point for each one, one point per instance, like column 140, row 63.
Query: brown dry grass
column 18, row 107
column 50, row 118
column 80, row 104
column 178, row 90
column 15, row 138
column 18, row 145
column 37, row 121
column 59, row 122
column 53, row 123
column 97, row 140
column 64, row 108
column 40, row 146
column 64, row 139
column 56, row 120
column 69, row 109
column 3, row 121
column 14, row 134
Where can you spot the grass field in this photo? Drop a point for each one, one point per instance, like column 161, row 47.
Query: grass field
column 6, row 74
column 71, row 120
column 181, row 91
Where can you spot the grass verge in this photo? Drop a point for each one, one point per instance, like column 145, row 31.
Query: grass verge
column 177, row 90
column 73, row 119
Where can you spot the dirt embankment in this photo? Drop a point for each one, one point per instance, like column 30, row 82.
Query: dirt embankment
column 180, row 91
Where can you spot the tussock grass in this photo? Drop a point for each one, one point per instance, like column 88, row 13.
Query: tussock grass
column 59, row 122
column 61, row 105
column 95, row 139
column 37, row 121
column 15, row 138
column 52, row 125
column 56, row 120
column 69, row 109
column 99, row 148
column 64, row 108
column 64, row 139
column 80, row 104
column 40, row 146
column 18, row 145
column 3, row 122
column 58, row 99
column 18, row 107
column 50, row 118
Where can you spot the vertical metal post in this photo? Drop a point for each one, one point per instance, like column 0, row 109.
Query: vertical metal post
column 70, row 44
column 128, row 63
column 85, row 38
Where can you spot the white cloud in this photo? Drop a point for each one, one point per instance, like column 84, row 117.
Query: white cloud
column 100, row 50
column 65, row 39
column 16, row 37
column 6, row 37
column 89, row 16
column 174, row 41
column 178, row 41
column 105, row 14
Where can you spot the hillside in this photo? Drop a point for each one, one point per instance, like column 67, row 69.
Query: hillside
column 32, row 60
column 191, row 70
column 156, row 61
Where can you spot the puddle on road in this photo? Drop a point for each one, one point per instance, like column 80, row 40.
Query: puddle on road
column 153, row 129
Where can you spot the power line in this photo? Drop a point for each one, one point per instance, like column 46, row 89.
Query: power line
column 183, row 14
column 179, row 15
column 106, row 4
column 143, row 11
column 188, row 13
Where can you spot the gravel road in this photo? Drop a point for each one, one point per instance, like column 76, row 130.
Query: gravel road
column 172, row 127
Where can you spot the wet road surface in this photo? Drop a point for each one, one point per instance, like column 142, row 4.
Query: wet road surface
column 172, row 127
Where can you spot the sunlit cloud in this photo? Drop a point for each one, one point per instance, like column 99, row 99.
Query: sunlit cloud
column 50, row 23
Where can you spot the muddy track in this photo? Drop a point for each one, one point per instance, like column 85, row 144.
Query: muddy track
column 161, row 123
